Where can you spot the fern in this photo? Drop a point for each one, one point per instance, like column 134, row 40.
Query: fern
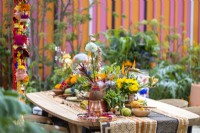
column 174, row 81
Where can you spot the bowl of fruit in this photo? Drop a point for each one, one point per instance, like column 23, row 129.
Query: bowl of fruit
column 141, row 112
column 139, row 108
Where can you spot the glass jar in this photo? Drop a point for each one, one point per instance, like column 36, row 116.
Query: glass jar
column 95, row 108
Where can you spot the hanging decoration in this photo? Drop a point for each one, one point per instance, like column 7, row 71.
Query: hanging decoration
column 20, row 44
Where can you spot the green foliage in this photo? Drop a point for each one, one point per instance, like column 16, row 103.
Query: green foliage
column 141, row 47
column 114, row 98
column 194, row 54
column 174, row 81
column 11, row 111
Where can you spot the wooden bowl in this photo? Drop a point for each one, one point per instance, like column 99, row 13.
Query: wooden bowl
column 58, row 91
column 141, row 112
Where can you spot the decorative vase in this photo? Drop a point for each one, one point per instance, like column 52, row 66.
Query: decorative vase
column 95, row 108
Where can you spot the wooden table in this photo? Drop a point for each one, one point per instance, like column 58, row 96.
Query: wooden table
column 54, row 107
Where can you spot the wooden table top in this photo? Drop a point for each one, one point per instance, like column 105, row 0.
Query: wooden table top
column 54, row 107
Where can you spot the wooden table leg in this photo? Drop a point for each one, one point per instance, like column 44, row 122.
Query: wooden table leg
column 75, row 128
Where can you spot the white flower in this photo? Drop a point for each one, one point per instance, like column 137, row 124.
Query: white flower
column 91, row 47
column 68, row 61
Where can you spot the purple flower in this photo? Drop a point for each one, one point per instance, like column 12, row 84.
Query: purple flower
column 16, row 65
column 24, row 16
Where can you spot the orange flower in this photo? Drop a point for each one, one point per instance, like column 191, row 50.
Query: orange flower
column 67, row 81
column 26, row 79
column 58, row 86
column 128, row 63
column 73, row 79
column 24, row 7
column 102, row 75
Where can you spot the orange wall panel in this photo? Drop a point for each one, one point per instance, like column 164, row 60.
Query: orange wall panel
column 85, row 28
column 109, row 14
column 118, row 10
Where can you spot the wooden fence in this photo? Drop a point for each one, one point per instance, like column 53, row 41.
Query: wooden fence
column 182, row 15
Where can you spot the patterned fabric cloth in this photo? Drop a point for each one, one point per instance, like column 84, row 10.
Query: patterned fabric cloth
column 154, row 123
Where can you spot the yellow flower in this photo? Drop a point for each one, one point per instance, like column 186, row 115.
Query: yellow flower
column 58, row 86
column 119, row 85
column 133, row 88
column 73, row 79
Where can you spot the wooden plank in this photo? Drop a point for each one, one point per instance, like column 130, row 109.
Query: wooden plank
column 199, row 22
column 118, row 10
column 103, row 18
column 56, row 109
column 109, row 14
column 75, row 28
column 134, row 14
column 94, row 19
column 141, row 13
column 150, row 11
column 98, row 22
column 126, row 13
column 85, row 28
column 171, row 23
column 166, row 25
column 1, row 13
column 196, row 17
column 67, row 113
column 41, row 38
column 49, row 30
column 176, row 25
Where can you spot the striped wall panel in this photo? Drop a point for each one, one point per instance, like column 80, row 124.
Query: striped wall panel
column 176, row 15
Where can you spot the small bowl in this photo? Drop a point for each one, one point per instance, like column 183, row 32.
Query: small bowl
column 58, row 91
column 141, row 112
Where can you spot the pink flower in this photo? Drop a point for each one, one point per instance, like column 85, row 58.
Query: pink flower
column 20, row 40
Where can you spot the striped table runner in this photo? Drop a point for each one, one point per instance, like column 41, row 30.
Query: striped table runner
column 156, row 122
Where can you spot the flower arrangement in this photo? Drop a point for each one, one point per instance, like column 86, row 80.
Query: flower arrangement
column 127, row 85
column 94, row 82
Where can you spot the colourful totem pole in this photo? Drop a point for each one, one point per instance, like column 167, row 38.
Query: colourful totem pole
column 20, row 44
